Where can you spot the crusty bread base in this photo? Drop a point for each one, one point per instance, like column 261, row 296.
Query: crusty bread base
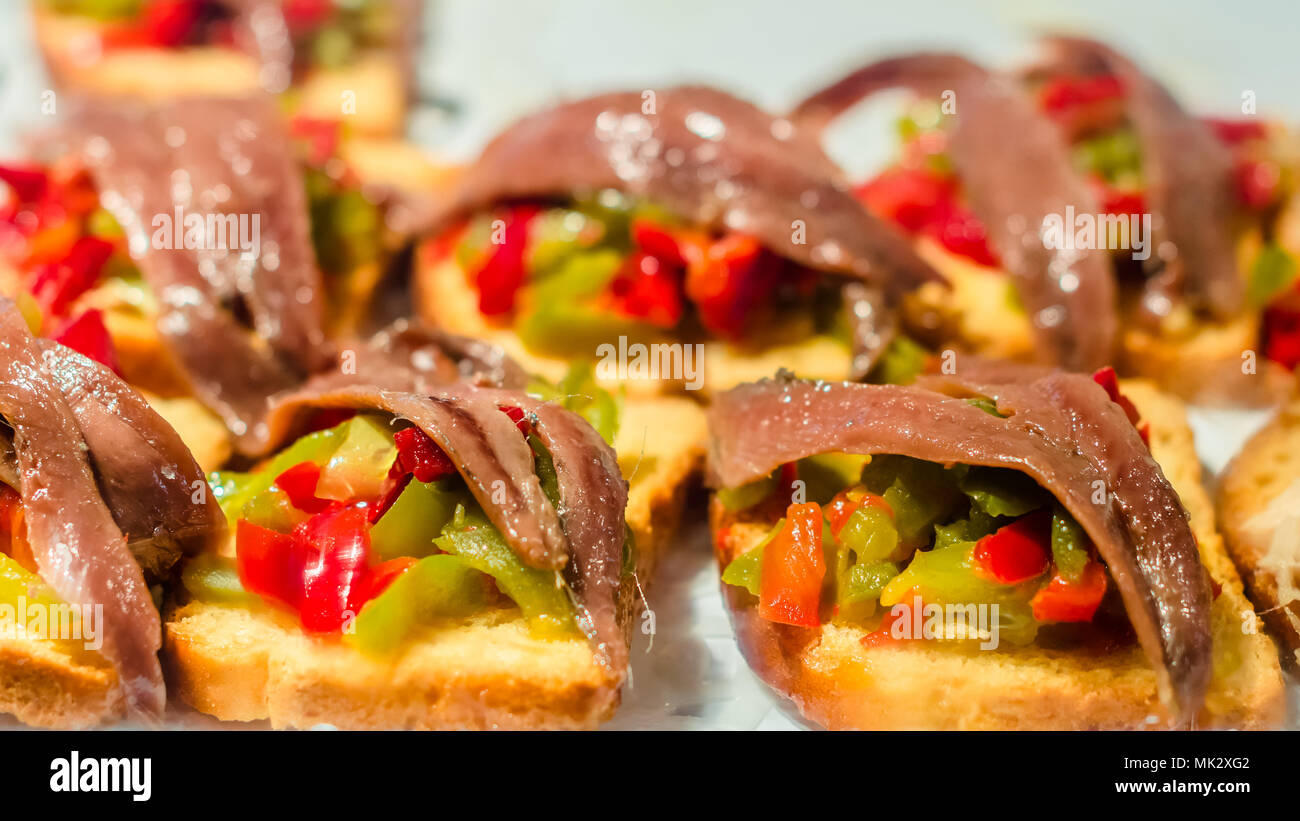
column 1267, row 467
column 44, row 685
column 369, row 94
column 837, row 682
column 445, row 298
column 979, row 301
column 240, row 664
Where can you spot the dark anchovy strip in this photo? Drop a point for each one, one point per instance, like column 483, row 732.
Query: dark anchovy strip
column 147, row 476
column 482, row 442
column 1060, row 429
column 873, row 324
column 79, row 549
column 584, row 537
column 1187, row 179
column 714, row 160
column 243, row 324
column 1070, row 294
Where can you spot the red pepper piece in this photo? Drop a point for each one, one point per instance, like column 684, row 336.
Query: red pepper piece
column 520, row 418
column 385, row 573
column 29, row 183
column 662, row 243
column 299, row 484
column 169, row 23
column 398, row 479
column 420, row 456
column 321, row 135
column 502, row 274
column 1109, row 380
column 849, row 501
column 1117, row 201
column 1235, row 132
column 57, row 285
column 1062, row 601
column 87, row 335
column 1062, row 93
column 884, row 634
column 732, row 276
column 793, row 569
column 335, row 573
column 646, row 288
column 906, row 196
column 1258, row 183
column 270, row 563
column 304, row 16
column 1016, row 552
column 1282, row 336
column 959, row 231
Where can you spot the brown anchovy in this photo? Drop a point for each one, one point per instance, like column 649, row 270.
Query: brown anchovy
column 712, row 159
column 1070, row 294
column 243, row 325
column 1060, row 429
column 1187, row 179
column 80, row 552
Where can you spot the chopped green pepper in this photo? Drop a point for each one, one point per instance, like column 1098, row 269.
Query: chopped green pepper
column 213, row 578
column 1069, row 546
column 539, row 593
column 435, row 587
column 416, row 518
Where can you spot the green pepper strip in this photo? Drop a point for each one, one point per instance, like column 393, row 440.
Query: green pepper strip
column 435, row 587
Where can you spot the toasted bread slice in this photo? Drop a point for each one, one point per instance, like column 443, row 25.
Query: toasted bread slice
column 838, row 682
column 246, row 664
column 44, row 683
column 1259, row 504
column 370, row 94
column 445, row 298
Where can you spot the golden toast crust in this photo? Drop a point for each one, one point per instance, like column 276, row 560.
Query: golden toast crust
column 839, row 683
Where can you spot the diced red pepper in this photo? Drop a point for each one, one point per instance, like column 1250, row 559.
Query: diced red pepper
column 1016, row 552
column 169, row 23
column 906, row 196
column 1282, row 336
column 306, row 15
column 1116, row 200
column 299, row 484
column 733, row 275
column 502, row 274
column 922, row 201
column 1063, row 601
column 1258, row 183
column 57, row 285
column 335, row 573
column 385, row 573
column 87, row 335
column 269, row 562
column 29, row 183
column 420, row 456
column 1109, row 380
column 520, row 418
column 793, row 569
column 398, row 479
column 1067, row 91
column 1235, row 132
column 649, row 289
column 321, row 135
column 884, row 634
column 848, row 501
column 674, row 248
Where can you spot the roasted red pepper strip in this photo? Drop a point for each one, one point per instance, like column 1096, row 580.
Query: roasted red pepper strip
column 1061, row 601
column 518, row 416
column 664, row 243
column 57, row 285
column 299, row 484
column 1108, row 379
column 923, row 201
column 1234, row 132
column 848, row 501
column 420, row 456
column 1282, row 336
column 384, row 573
column 502, row 274
column 648, row 289
column 1061, row 94
column 270, row 563
column 29, row 183
column 87, row 335
column 1016, row 552
column 732, row 276
column 335, row 574
column 793, row 568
